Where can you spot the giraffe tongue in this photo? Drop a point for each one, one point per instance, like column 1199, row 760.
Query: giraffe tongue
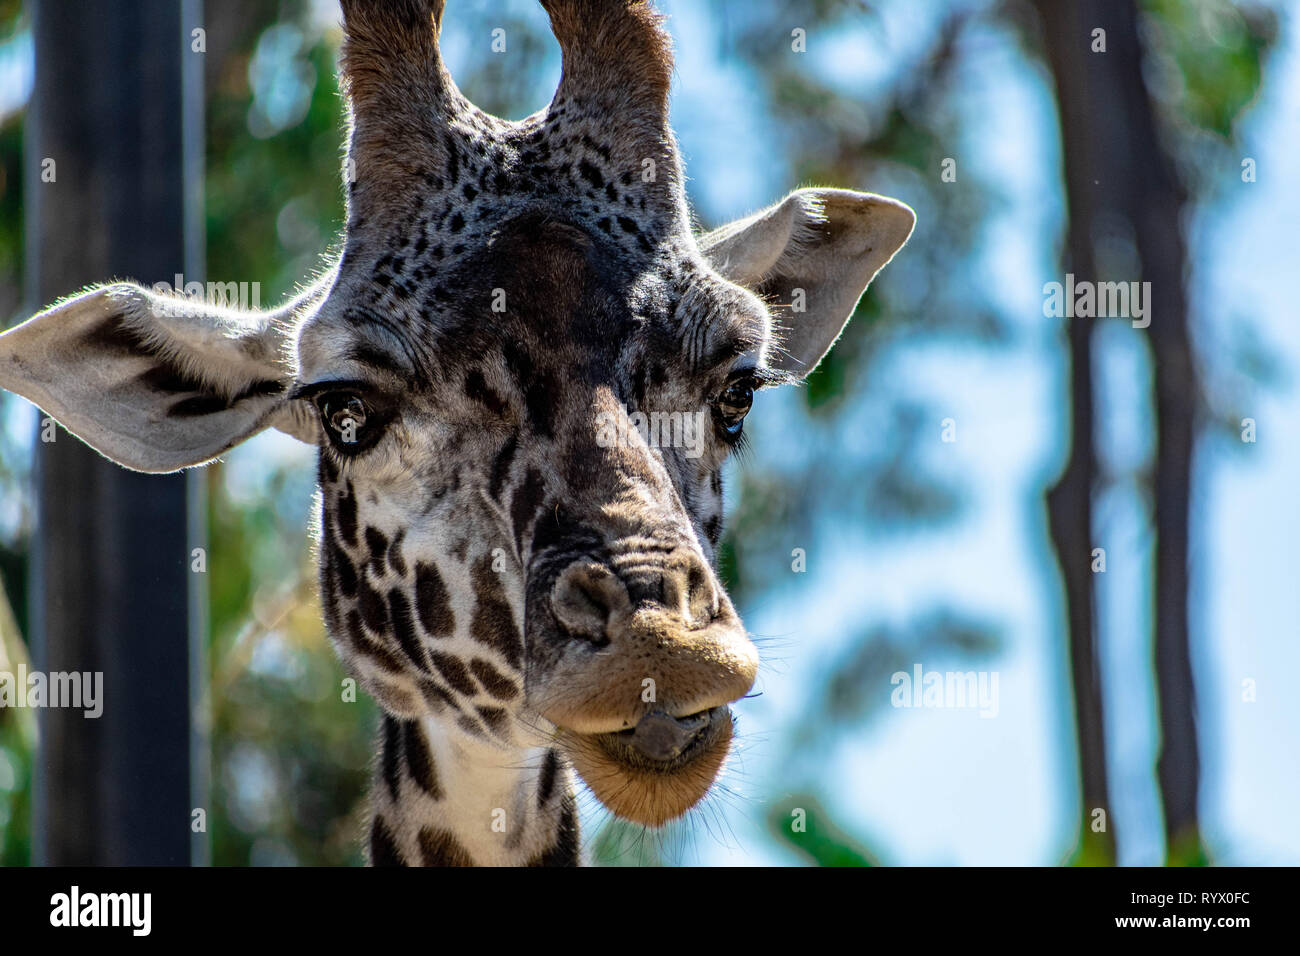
column 662, row 737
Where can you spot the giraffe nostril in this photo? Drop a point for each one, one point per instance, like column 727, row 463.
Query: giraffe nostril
column 584, row 599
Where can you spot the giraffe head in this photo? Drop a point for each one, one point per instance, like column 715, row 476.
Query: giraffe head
column 524, row 375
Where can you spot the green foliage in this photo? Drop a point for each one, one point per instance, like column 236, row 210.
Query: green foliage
column 1209, row 55
column 1091, row 847
column 803, row 824
column 619, row 843
column 17, row 743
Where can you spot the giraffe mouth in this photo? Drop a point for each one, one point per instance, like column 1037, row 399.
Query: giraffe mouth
column 657, row 770
column 661, row 741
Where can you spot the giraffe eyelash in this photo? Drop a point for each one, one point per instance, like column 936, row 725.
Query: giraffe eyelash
column 764, row 377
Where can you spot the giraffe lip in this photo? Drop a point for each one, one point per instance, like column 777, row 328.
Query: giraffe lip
column 659, row 777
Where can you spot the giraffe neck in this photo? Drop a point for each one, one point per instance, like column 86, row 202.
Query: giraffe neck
column 441, row 799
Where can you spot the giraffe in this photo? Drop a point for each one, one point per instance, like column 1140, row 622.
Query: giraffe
column 518, row 571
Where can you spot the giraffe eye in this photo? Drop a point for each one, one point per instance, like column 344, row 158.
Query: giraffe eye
column 732, row 405
column 347, row 419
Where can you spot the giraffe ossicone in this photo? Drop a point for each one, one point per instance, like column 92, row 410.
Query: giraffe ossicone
column 524, row 599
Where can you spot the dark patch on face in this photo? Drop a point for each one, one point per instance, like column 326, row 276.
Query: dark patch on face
column 440, row 848
column 565, row 850
column 377, row 543
column 495, row 718
column 591, row 174
column 341, row 565
column 454, row 673
column 395, row 559
column 713, row 530
column 404, row 627
column 493, row 623
column 546, row 780
column 391, row 755
column 432, row 602
column 345, row 515
column 537, row 385
column 469, row 725
column 328, row 471
column 561, row 539
column 523, row 506
column 493, row 681
column 373, row 610
column 383, row 848
column 419, row 762
column 437, row 697
column 477, row 388
column 364, row 645
column 391, row 697
column 501, row 467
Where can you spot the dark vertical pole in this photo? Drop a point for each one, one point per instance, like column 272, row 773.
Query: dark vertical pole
column 1080, row 85
column 106, row 170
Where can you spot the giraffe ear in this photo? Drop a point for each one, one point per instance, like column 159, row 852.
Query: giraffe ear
column 811, row 256
column 155, row 382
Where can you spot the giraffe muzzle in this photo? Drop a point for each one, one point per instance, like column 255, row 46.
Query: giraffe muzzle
column 657, row 770
column 648, row 656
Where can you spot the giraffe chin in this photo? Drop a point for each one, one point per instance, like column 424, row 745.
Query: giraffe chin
column 646, row 791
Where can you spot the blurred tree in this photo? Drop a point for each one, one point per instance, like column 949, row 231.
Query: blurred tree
column 1125, row 172
column 1069, row 501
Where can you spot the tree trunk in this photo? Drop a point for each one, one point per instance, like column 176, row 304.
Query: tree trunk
column 111, row 134
column 1156, row 199
column 1116, row 166
column 1069, row 502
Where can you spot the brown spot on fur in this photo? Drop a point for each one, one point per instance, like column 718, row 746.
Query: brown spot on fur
column 404, row 627
column 383, row 848
column 440, row 848
column 377, row 543
column 495, row 718
column 432, row 602
column 396, row 560
column 345, row 515
column 565, row 850
column 494, row 623
column 454, row 673
column 494, row 682
column 419, row 762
